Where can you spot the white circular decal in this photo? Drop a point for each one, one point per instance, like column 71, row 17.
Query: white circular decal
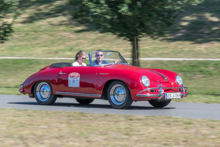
column 73, row 79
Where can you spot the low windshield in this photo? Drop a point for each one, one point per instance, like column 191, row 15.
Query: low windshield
column 106, row 57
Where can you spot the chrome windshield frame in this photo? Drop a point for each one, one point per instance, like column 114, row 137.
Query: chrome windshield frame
column 90, row 58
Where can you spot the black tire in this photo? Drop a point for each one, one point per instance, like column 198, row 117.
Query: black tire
column 119, row 95
column 84, row 101
column 43, row 93
column 158, row 103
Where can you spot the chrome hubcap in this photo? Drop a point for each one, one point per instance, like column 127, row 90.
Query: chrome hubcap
column 43, row 91
column 118, row 94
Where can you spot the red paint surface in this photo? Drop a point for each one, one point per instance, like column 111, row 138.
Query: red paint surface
column 93, row 78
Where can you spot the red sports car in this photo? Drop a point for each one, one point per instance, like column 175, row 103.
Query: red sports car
column 107, row 77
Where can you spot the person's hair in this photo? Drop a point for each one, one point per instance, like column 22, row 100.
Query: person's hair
column 99, row 50
column 80, row 53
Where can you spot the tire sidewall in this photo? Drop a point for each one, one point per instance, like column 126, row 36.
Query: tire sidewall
column 128, row 101
column 50, row 100
column 159, row 104
column 84, row 101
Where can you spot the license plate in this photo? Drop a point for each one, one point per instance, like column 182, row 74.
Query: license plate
column 173, row 95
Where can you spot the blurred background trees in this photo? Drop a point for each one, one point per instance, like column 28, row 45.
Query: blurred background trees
column 6, row 20
column 130, row 19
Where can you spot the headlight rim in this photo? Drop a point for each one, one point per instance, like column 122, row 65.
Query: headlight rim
column 143, row 82
column 178, row 80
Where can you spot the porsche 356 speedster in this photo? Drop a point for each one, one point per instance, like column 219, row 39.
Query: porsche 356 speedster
column 113, row 80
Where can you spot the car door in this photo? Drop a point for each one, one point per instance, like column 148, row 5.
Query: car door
column 77, row 79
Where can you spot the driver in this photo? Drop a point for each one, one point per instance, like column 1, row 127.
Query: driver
column 99, row 56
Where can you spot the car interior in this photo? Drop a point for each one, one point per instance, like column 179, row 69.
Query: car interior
column 60, row 65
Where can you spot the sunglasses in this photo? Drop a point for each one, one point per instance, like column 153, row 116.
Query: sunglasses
column 99, row 55
column 83, row 58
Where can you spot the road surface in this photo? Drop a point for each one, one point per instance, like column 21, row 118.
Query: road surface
column 174, row 109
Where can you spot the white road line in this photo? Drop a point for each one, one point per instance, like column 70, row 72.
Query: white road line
column 36, row 58
column 163, row 59
column 181, row 59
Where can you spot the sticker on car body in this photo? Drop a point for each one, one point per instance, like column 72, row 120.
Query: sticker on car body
column 73, row 79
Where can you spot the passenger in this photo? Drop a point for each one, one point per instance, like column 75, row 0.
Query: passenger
column 80, row 57
column 99, row 56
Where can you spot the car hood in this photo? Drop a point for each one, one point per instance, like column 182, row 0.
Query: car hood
column 152, row 74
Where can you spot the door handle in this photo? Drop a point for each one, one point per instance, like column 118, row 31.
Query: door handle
column 62, row 73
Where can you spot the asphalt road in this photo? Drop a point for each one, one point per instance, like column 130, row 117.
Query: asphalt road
column 175, row 109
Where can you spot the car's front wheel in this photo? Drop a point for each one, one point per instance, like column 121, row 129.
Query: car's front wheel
column 43, row 93
column 119, row 95
column 84, row 101
column 158, row 103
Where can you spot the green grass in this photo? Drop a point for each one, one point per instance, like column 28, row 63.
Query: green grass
column 200, row 98
column 9, row 90
column 201, row 77
column 46, row 29
column 60, row 128
column 15, row 72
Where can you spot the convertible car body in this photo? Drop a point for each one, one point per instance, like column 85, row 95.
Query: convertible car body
column 115, row 81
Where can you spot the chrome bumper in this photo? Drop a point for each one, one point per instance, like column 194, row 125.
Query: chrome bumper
column 160, row 94
column 156, row 95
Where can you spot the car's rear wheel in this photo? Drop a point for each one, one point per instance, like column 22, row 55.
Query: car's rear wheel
column 159, row 103
column 43, row 93
column 84, row 101
column 119, row 95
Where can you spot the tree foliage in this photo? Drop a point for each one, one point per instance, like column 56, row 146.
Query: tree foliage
column 130, row 19
column 6, row 21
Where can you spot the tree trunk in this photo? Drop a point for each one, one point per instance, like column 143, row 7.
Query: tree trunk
column 135, row 52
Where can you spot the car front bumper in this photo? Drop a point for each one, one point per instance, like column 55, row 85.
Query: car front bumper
column 159, row 92
column 158, row 96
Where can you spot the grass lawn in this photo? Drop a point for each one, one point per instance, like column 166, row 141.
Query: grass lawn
column 201, row 77
column 59, row 128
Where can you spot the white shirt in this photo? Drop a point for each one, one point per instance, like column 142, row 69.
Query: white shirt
column 77, row 64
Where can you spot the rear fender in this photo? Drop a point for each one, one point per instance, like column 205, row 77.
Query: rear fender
column 47, row 76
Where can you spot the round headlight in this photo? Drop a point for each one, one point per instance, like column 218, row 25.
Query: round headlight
column 179, row 80
column 145, row 81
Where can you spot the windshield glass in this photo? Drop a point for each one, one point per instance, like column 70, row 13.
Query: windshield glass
column 98, row 58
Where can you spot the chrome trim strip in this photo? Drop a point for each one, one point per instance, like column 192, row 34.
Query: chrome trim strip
column 160, row 74
column 104, row 73
column 156, row 95
column 148, row 95
column 79, row 94
column 144, row 90
column 160, row 91
column 182, row 86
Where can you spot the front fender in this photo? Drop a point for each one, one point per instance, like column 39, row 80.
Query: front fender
column 132, row 80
